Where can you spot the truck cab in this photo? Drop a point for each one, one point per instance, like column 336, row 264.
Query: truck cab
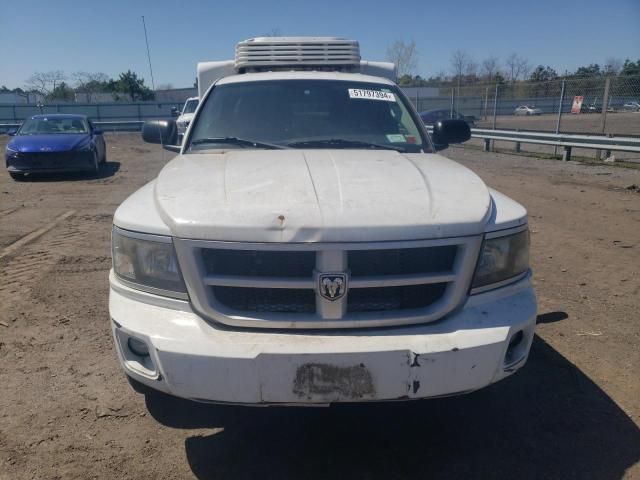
column 308, row 245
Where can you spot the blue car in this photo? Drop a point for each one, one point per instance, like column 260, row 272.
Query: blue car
column 55, row 143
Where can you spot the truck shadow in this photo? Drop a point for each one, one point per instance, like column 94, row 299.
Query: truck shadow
column 548, row 421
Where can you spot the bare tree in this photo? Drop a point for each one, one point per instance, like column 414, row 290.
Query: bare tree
column 404, row 56
column 90, row 83
column 442, row 76
column 461, row 64
column 460, row 61
column 612, row 66
column 490, row 67
column 471, row 70
column 517, row 67
column 525, row 68
column 45, row 82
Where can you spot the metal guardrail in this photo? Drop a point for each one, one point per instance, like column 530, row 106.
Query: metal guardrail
column 564, row 140
column 124, row 125
column 116, row 125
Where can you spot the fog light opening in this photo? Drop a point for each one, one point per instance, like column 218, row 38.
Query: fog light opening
column 513, row 352
column 138, row 347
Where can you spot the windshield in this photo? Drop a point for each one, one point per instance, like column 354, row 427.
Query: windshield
column 190, row 106
column 306, row 114
column 47, row 125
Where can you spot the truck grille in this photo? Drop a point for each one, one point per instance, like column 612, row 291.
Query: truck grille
column 258, row 263
column 401, row 261
column 277, row 285
column 274, row 300
column 382, row 299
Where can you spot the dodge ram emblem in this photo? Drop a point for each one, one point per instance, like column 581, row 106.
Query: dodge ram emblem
column 332, row 286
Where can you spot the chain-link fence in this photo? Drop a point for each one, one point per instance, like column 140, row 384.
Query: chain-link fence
column 11, row 114
column 575, row 105
column 498, row 106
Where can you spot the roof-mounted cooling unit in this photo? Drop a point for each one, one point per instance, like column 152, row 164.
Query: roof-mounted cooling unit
column 265, row 53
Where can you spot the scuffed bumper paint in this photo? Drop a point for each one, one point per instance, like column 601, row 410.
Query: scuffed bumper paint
column 192, row 359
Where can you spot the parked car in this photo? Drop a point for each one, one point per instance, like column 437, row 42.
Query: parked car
column 591, row 108
column 527, row 110
column 430, row 117
column 55, row 143
column 184, row 119
column 307, row 244
column 631, row 107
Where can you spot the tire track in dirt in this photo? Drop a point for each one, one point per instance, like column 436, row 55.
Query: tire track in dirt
column 8, row 211
column 34, row 235
column 33, row 256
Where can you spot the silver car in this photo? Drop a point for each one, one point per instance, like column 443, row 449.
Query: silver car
column 632, row 106
column 527, row 110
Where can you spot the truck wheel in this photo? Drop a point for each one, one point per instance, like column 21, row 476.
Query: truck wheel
column 18, row 177
column 104, row 157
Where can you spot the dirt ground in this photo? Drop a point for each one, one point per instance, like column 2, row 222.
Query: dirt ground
column 66, row 410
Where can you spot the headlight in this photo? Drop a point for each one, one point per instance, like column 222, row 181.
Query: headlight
column 12, row 153
column 147, row 261
column 501, row 259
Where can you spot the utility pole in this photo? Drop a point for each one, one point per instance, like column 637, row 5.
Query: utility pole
column 144, row 26
column 153, row 83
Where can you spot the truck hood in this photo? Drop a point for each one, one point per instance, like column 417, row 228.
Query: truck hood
column 320, row 196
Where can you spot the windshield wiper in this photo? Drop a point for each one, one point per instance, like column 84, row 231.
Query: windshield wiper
column 236, row 141
column 343, row 143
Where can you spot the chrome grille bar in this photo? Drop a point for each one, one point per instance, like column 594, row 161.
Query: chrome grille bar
column 399, row 280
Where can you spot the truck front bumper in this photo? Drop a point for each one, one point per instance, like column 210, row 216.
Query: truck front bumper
column 471, row 348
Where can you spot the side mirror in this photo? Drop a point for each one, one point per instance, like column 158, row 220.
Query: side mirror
column 446, row 132
column 97, row 131
column 175, row 112
column 12, row 132
column 163, row 132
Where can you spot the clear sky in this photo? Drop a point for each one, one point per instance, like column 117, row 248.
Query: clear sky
column 107, row 36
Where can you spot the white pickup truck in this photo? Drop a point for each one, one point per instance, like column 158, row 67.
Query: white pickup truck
column 307, row 245
column 186, row 115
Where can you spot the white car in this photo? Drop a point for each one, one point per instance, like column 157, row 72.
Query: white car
column 527, row 110
column 631, row 107
column 307, row 245
column 188, row 110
